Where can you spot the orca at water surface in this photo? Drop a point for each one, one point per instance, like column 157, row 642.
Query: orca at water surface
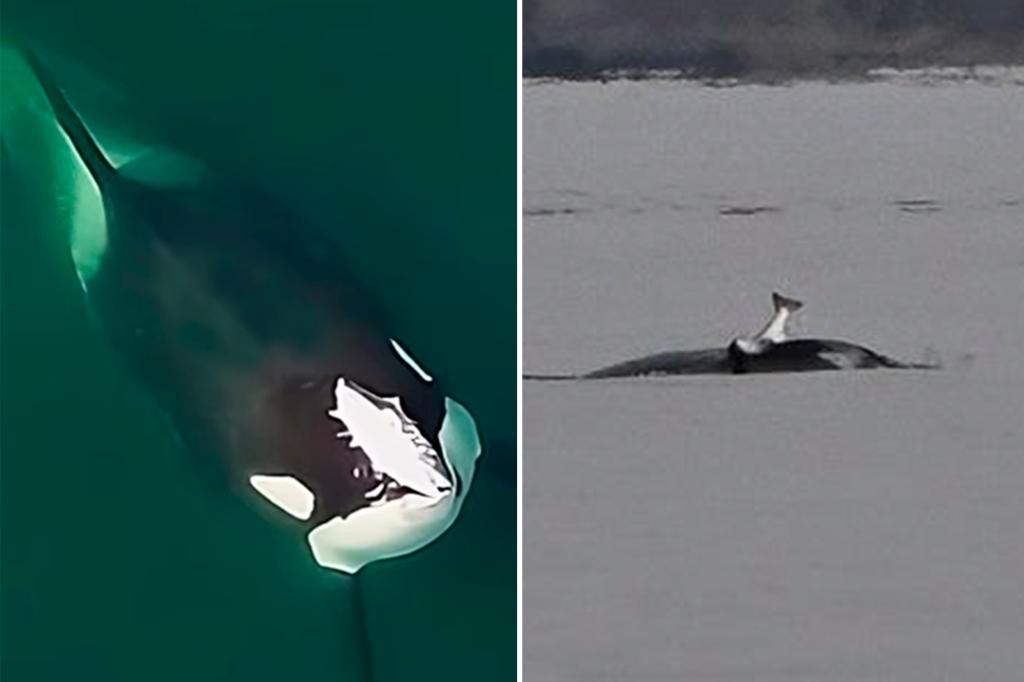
column 768, row 351
column 265, row 354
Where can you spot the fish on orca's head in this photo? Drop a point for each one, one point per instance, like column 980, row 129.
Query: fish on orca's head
column 776, row 331
column 368, row 478
column 349, row 446
column 397, row 452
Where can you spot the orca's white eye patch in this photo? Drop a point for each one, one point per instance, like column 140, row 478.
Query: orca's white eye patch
column 407, row 359
column 287, row 493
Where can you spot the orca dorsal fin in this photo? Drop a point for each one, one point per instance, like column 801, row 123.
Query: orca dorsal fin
column 92, row 156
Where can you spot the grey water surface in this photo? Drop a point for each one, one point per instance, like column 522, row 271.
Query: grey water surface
column 826, row 526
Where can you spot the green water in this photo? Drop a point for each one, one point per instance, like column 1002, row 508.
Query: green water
column 391, row 127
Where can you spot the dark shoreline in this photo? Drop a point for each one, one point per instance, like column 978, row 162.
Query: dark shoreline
column 778, row 40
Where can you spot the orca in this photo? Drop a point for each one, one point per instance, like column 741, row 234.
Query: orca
column 769, row 351
column 273, row 363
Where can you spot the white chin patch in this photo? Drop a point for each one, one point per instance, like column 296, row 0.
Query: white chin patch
column 406, row 523
column 287, row 493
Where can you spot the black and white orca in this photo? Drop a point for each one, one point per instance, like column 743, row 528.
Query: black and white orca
column 770, row 350
column 271, row 362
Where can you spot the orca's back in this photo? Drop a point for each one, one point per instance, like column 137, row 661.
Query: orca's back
column 703, row 361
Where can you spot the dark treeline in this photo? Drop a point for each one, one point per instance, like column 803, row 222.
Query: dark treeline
column 582, row 38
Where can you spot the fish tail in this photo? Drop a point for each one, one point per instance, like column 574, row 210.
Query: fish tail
column 785, row 303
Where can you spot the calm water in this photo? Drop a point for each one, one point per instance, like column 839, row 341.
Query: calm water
column 118, row 561
column 835, row 526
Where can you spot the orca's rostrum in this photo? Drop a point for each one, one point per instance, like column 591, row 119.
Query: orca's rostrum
column 268, row 357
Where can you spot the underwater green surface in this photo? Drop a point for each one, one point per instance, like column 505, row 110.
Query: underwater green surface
column 392, row 128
